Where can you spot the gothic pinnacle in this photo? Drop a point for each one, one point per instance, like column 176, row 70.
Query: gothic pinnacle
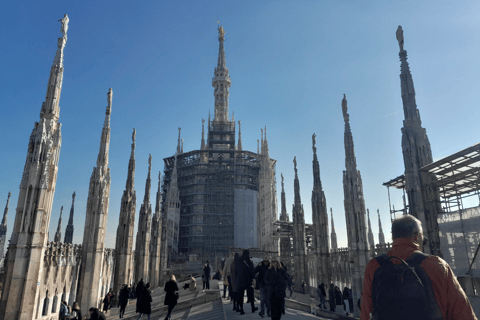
column 58, row 234
column 102, row 160
column 148, row 183
column 3, row 226
column 381, row 236
column 202, row 145
column 239, row 146
column 69, row 229
column 179, row 146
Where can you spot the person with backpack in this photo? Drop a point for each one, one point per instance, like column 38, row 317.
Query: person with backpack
column 405, row 283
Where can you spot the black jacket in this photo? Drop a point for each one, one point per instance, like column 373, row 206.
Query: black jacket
column 244, row 273
column 123, row 296
column 170, row 288
column 144, row 302
column 261, row 269
column 275, row 280
column 97, row 315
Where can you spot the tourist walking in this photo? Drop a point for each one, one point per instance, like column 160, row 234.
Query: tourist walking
column 206, row 276
column 331, row 297
column 227, row 281
column 345, row 297
column 96, row 314
column 144, row 302
column 76, row 312
column 63, row 314
column 322, row 295
column 171, row 295
column 107, row 301
column 233, row 276
column 275, row 280
column 244, row 279
column 350, row 300
column 123, row 300
column 260, row 272
column 431, row 291
column 338, row 297
column 192, row 284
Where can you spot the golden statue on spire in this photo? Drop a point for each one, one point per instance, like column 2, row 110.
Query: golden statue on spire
column 221, row 32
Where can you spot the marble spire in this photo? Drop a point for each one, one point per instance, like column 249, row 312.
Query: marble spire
column 142, row 244
column 355, row 213
column 299, row 235
column 423, row 198
column 371, row 239
column 69, row 230
column 3, row 226
column 96, row 221
column 58, row 234
column 239, row 145
column 221, row 82
column 334, row 234
column 20, row 295
column 179, row 143
column 381, row 236
column 283, row 213
column 123, row 273
column 202, row 144
column 155, row 238
column 320, row 220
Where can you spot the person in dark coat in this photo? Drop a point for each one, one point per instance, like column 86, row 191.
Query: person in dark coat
column 233, row 274
column 261, row 270
column 171, row 295
column 322, row 295
column 144, row 302
column 331, row 297
column 139, row 288
column 107, row 300
column 244, row 279
column 275, row 279
column 206, row 275
column 96, row 314
column 123, row 300
column 338, row 297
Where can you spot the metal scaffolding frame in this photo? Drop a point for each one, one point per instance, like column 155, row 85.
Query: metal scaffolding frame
column 207, row 180
column 457, row 178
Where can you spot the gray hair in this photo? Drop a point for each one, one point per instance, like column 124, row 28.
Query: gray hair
column 406, row 227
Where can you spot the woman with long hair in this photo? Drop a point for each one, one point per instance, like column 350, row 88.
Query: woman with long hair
column 275, row 280
column 171, row 297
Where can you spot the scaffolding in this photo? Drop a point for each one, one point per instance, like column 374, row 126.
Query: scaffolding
column 457, row 179
column 207, row 180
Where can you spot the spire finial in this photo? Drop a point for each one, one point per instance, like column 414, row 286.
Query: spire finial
column 149, row 164
column 295, row 164
column 281, row 174
column 64, row 27
column 109, row 100
column 314, row 142
column 400, row 38
column 134, row 135
column 179, row 146
column 344, row 108
column 221, row 33
column 258, row 146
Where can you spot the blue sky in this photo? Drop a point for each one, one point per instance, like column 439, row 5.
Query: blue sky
column 290, row 63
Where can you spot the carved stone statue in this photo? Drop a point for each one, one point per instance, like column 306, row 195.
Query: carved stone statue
column 150, row 160
column 295, row 162
column 313, row 139
column 281, row 174
column 134, row 135
column 400, row 37
column 64, row 27
column 221, row 32
column 345, row 108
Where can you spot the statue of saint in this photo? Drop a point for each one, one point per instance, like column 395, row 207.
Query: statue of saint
column 400, row 37
column 64, row 27
column 313, row 139
column 221, row 32
column 150, row 160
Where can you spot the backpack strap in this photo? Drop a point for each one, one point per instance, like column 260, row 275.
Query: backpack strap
column 382, row 259
column 417, row 258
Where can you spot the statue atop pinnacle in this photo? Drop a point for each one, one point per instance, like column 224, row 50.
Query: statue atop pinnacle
column 400, row 37
column 344, row 108
column 64, row 27
column 221, row 33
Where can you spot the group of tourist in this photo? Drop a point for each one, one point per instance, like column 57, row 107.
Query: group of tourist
column 271, row 278
column 336, row 297
column 70, row 312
